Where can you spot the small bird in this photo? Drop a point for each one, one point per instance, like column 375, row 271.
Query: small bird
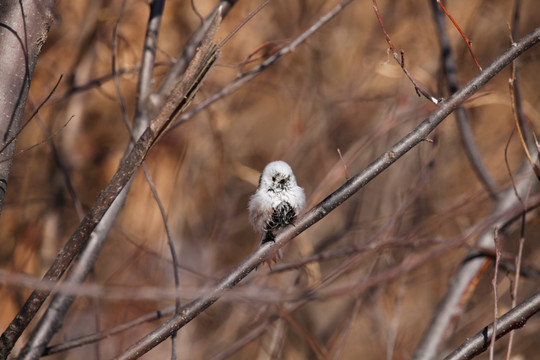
column 277, row 201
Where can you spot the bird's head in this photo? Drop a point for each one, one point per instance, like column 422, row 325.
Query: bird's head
column 277, row 176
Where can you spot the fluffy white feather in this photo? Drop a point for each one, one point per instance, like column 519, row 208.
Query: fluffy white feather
column 277, row 201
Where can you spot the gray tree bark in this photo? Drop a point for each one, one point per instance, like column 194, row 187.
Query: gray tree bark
column 23, row 29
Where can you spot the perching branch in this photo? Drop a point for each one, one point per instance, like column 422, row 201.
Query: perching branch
column 197, row 306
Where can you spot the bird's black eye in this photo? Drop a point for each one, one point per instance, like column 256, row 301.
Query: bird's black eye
column 273, row 178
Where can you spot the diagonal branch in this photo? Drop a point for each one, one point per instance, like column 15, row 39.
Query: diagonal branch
column 465, row 38
column 197, row 306
column 513, row 319
column 180, row 65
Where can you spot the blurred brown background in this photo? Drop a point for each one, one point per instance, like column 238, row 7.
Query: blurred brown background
column 339, row 90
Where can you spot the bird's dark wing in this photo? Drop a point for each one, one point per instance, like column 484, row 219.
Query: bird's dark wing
column 283, row 215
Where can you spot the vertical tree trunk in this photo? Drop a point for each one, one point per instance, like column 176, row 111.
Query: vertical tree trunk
column 23, row 29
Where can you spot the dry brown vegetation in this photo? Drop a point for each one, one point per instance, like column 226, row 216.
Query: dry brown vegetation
column 340, row 91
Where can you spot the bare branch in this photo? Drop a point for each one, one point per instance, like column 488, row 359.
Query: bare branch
column 513, row 319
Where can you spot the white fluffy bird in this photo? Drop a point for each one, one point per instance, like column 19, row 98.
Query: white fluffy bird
column 277, row 201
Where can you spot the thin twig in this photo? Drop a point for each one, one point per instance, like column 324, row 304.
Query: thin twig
column 170, row 241
column 518, row 101
column 172, row 249
column 41, row 142
column 89, row 339
column 497, row 247
column 519, row 124
column 514, row 291
column 345, row 332
column 96, row 83
column 125, row 115
column 420, row 90
column 249, row 337
column 278, row 337
column 65, row 174
column 242, row 23
column 345, row 169
column 36, row 111
column 316, row 347
column 194, row 8
column 467, row 41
